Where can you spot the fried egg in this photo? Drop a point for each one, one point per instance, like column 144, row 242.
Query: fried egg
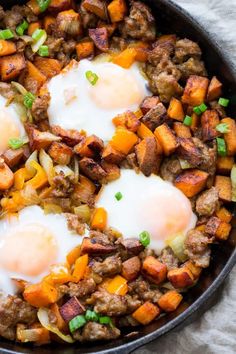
column 10, row 124
column 77, row 104
column 147, row 204
column 30, row 243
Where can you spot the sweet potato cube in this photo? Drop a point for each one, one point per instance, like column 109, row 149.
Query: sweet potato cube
column 146, row 152
column 112, row 171
column 175, row 110
column 96, row 7
column 194, row 269
column 117, row 10
column 230, row 137
column 11, row 66
column 71, row 309
column 146, row 313
column 187, row 150
column 131, row 268
column 218, row 228
column 13, row 157
column 7, row 47
column 128, row 120
column 33, row 78
column 209, row 121
column 180, row 277
column 112, row 155
column 100, row 38
column 170, row 301
column 191, row 182
column 195, row 122
column 60, row 153
column 166, row 138
column 39, row 140
column 71, row 17
column 144, row 132
column 224, row 215
column 224, row 186
column 91, row 247
column 6, row 176
column 84, row 49
column 149, row 103
column 48, row 23
column 59, row 5
column 214, row 89
column 224, row 164
column 125, row 58
column 154, row 269
column 123, row 140
column 181, row 130
column 41, row 294
column 195, row 90
column 48, row 67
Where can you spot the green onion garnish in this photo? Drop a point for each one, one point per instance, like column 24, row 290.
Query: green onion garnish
column 43, row 51
column 43, row 4
column 222, row 128
column 200, row 109
column 144, row 238
column 38, row 33
column 118, row 196
column 20, row 29
column 77, row 322
column 105, row 320
column 91, row 316
column 187, row 120
column 91, row 77
column 29, row 99
column 221, row 147
column 223, row 102
column 16, row 143
column 6, row 34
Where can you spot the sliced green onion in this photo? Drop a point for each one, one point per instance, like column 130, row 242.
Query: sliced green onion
column 29, row 99
column 43, row 4
column 223, row 102
column 187, row 120
column 39, row 36
column 6, row 34
column 91, row 77
column 233, row 181
column 222, row 128
column 105, row 320
column 221, row 147
column 118, row 196
column 144, row 238
column 91, row 316
column 20, row 29
column 43, row 51
column 77, row 322
column 16, row 143
column 200, row 109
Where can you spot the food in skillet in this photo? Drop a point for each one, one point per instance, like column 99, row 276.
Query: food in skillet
column 116, row 171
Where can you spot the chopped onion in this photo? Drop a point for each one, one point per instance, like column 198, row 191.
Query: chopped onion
column 47, row 164
column 32, row 157
column 19, row 87
column 30, row 196
column 37, row 44
column 233, row 181
column 102, row 58
column 26, row 39
column 184, row 164
column 176, row 243
column 64, row 169
column 83, row 212
column 50, row 208
column 22, row 112
column 43, row 316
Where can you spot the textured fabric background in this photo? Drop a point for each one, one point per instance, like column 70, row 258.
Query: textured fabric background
column 215, row 331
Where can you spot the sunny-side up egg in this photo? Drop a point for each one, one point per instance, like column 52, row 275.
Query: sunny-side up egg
column 77, row 104
column 10, row 124
column 147, row 204
column 30, row 243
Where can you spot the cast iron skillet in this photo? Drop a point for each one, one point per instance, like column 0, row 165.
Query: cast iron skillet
column 171, row 19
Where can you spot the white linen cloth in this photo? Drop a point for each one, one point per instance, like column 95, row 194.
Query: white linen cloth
column 215, row 331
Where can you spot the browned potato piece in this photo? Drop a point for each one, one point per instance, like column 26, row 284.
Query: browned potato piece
column 154, row 269
column 128, row 120
column 59, row 5
column 89, row 146
column 195, row 270
column 224, row 164
column 131, row 268
column 224, row 186
column 195, row 90
column 112, row 171
column 191, row 182
column 117, row 10
column 187, row 150
column 146, row 152
column 230, row 137
column 12, row 66
column 166, row 138
column 60, row 153
column 181, row 130
column 218, row 228
column 209, row 120
column 6, row 176
column 92, row 169
column 180, row 277
column 111, row 155
column 70, row 137
column 214, row 89
column 100, row 38
column 68, row 21
column 175, row 110
column 94, row 248
column 39, row 140
column 149, row 103
column 13, row 157
column 97, row 7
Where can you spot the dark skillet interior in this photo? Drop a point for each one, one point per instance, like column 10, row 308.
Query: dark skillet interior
column 170, row 19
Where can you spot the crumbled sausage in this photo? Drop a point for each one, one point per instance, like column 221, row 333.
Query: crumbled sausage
column 197, row 249
column 207, row 202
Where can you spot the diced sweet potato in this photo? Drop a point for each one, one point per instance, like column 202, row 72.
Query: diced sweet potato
column 13, row 157
column 214, row 89
column 11, row 66
column 195, row 270
column 6, row 176
column 71, row 309
column 131, row 268
column 112, row 155
column 85, row 49
column 33, row 26
column 48, row 23
column 123, row 140
column 7, row 47
column 68, row 21
column 146, row 152
column 132, row 245
column 223, row 231
column 34, row 6
column 154, row 269
column 100, row 38
column 187, row 150
column 39, row 140
column 209, row 121
column 230, row 137
column 89, row 147
column 181, row 130
column 70, row 137
column 60, row 153
column 48, row 67
column 128, row 120
column 191, row 182
column 126, row 58
column 33, row 78
column 59, row 5
column 111, row 27
column 218, row 228
column 144, row 132
column 212, row 225
column 170, row 301
column 166, row 138
column 91, row 247
column 149, row 103
column 224, row 215
column 146, row 313
column 117, row 10
column 41, row 294
column 155, row 116
column 224, row 186
column 195, row 90
column 112, row 171
column 92, row 169
column 83, row 191
column 175, row 110
column 96, row 7
column 224, row 164
column 195, row 122
column 180, row 277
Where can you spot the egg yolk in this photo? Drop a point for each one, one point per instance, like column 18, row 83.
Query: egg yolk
column 115, row 89
column 8, row 129
column 28, row 249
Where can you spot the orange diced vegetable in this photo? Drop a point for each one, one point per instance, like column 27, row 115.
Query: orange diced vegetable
column 175, row 110
column 40, row 179
column 195, row 121
column 73, row 255
column 123, row 140
column 180, row 277
column 127, row 120
column 84, row 49
column 110, row 27
column 20, row 176
column 170, row 301
column 191, row 182
column 83, row 190
column 146, row 313
column 195, row 270
column 214, row 89
column 99, row 219
column 166, row 138
column 60, row 323
column 41, row 294
column 80, row 268
column 34, row 6
column 11, row 66
column 48, row 22
column 224, row 215
column 6, row 177
column 33, row 26
column 224, row 164
column 47, row 66
column 38, row 335
column 181, row 130
column 230, row 137
column 97, row 7
column 155, row 269
column 224, row 186
column 144, row 132
column 33, row 78
column 71, row 17
column 111, row 155
column 95, row 249
column 195, row 90
column 209, row 121
column 59, row 5
column 125, row 58
column 223, row 231
column 118, row 286
column 7, row 47
column 117, row 10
